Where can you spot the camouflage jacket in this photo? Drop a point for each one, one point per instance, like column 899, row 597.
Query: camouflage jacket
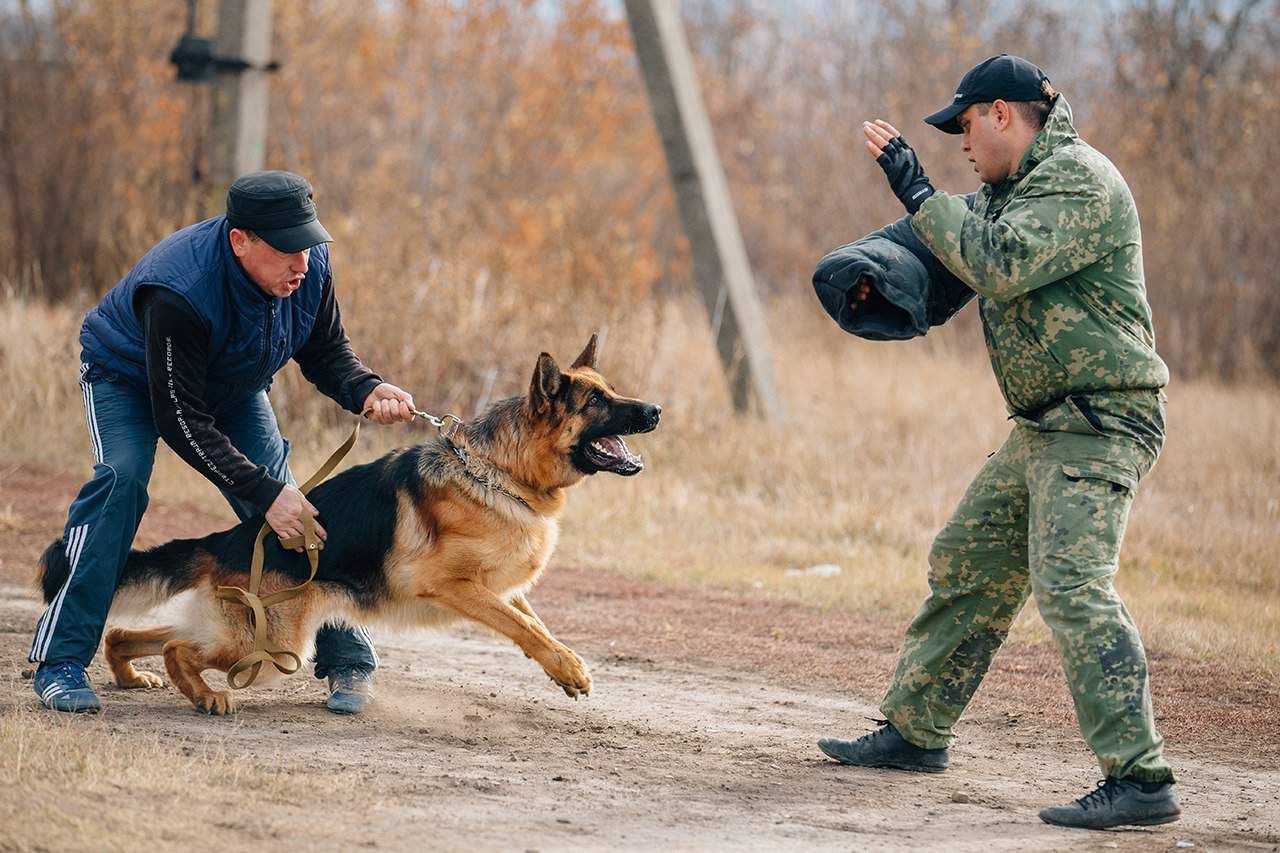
column 1055, row 255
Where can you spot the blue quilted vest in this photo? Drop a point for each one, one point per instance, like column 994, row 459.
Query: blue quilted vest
column 251, row 334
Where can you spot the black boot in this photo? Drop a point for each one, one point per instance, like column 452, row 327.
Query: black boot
column 886, row 748
column 1118, row 802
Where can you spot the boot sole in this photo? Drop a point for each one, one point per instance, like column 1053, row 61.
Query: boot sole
column 1149, row 821
column 1156, row 821
column 910, row 768
column 885, row 765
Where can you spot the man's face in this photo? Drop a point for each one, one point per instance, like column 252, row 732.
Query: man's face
column 277, row 273
column 985, row 142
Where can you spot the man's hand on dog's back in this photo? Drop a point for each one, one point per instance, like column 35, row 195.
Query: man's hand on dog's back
column 285, row 514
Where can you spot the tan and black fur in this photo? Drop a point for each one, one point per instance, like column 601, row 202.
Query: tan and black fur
column 420, row 537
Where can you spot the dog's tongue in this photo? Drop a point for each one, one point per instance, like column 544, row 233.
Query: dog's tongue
column 613, row 452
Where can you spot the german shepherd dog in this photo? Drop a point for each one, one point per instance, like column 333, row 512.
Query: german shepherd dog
column 457, row 527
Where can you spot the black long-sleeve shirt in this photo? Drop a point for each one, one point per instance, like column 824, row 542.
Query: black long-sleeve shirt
column 177, row 347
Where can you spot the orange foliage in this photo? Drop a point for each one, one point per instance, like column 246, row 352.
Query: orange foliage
column 492, row 175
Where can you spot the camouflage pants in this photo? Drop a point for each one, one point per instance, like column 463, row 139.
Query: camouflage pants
column 1045, row 516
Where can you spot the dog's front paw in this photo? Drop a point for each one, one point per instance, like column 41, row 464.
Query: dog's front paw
column 571, row 673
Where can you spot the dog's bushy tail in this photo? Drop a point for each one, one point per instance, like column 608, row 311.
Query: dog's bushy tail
column 53, row 570
column 162, row 572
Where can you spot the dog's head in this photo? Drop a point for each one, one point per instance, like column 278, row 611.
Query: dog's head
column 584, row 419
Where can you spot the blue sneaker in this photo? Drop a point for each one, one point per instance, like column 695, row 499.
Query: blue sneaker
column 350, row 690
column 65, row 687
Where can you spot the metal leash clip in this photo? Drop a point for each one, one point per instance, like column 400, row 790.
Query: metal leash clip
column 447, row 425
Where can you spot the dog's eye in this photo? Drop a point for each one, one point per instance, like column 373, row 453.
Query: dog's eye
column 596, row 399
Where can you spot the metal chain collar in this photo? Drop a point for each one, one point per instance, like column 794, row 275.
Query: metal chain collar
column 448, row 426
column 484, row 481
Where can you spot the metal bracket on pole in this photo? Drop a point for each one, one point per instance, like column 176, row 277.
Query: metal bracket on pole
column 236, row 64
column 196, row 62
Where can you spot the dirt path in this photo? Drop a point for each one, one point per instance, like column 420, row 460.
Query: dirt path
column 700, row 736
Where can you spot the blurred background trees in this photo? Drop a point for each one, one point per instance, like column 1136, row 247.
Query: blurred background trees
column 492, row 177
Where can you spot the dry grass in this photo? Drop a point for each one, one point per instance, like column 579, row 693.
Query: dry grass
column 9, row 519
column 77, row 783
column 879, row 443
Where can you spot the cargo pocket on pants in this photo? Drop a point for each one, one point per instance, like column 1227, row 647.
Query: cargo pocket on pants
column 1118, row 477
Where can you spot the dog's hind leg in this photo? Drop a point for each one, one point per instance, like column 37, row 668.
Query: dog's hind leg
column 185, row 661
column 123, row 645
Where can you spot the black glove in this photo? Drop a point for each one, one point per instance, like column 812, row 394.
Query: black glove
column 906, row 176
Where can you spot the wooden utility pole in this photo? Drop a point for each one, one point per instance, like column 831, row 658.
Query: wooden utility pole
column 238, row 136
column 702, row 194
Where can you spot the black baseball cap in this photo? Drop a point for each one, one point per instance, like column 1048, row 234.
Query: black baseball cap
column 1003, row 77
column 277, row 206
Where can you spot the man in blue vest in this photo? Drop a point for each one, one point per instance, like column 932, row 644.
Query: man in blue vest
column 184, row 348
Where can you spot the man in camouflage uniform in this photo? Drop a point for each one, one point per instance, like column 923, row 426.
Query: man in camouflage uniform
column 1052, row 248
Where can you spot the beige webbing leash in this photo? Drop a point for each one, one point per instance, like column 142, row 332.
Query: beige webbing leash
column 263, row 650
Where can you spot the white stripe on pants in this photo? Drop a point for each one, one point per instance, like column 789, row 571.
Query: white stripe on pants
column 44, row 633
column 91, row 417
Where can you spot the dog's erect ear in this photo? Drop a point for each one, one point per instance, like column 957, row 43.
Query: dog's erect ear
column 546, row 382
column 588, row 356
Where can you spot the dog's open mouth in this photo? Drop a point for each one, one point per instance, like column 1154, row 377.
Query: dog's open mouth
column 610, row 453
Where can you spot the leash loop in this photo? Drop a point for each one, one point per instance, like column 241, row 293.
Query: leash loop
column 264, row 651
